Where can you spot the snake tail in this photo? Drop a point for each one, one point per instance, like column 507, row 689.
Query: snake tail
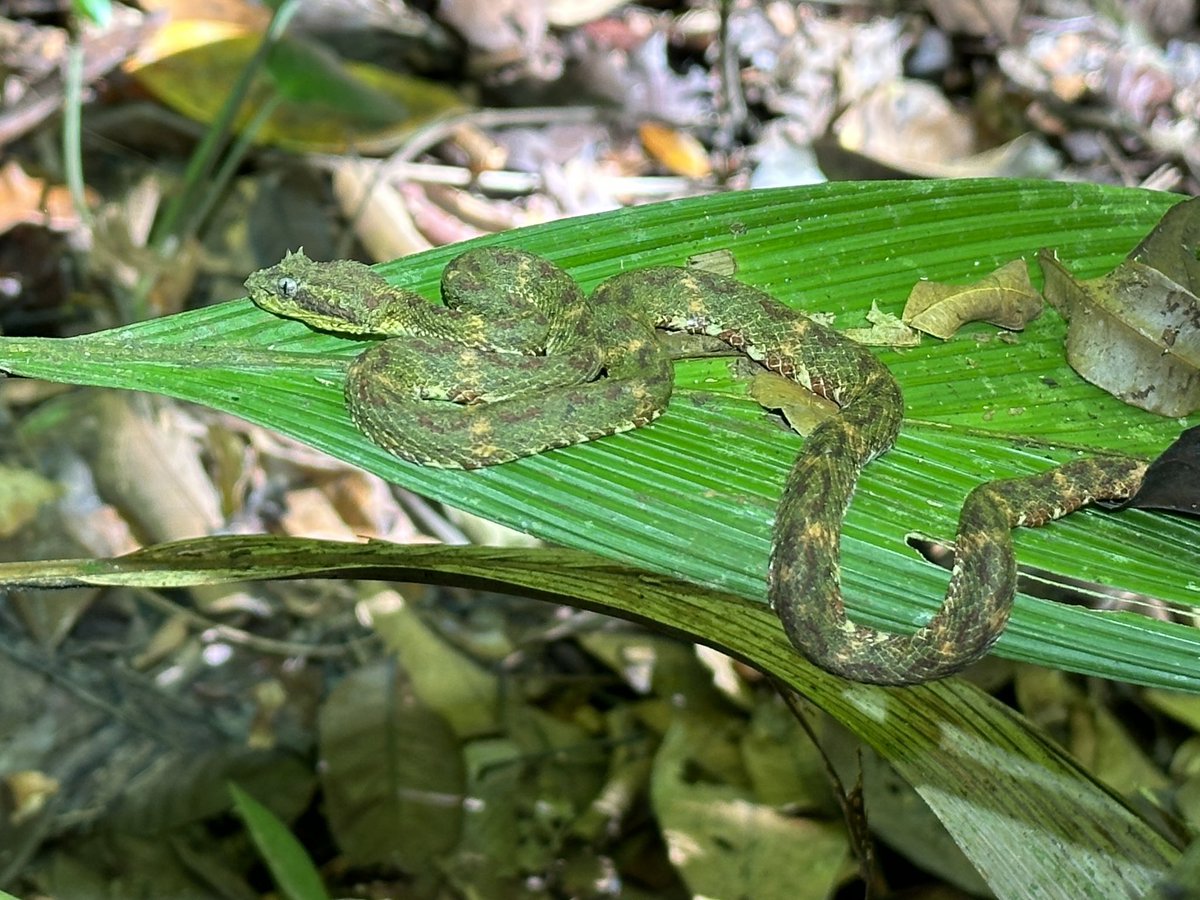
column 805, row 585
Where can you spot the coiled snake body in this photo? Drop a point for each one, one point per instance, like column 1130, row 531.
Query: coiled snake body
column 518, row 361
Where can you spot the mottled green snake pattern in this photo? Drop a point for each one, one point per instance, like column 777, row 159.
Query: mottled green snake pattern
column 518, row 361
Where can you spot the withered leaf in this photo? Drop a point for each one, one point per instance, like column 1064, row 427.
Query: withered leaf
column 1135, row 332
column 803, row 409
column 1004, row 298
column 886, row 330
column 716, row 262
column 678, row 150
column 1171, row 247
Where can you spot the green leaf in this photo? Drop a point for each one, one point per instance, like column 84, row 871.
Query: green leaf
column 97, row 11
column 389, row 763
column 693, row 495
column 1029, row 818
column 290, row 865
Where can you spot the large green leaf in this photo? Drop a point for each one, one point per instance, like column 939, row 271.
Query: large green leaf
column 693, row 495
column 1030, row 819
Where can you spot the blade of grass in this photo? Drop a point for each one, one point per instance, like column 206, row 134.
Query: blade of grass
column 291, row 867
column 182, row 217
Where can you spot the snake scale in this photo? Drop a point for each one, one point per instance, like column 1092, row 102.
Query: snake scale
column 518, row 361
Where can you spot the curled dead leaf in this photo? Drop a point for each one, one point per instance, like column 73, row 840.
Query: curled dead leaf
column 1135, row 332
column 1004, row 298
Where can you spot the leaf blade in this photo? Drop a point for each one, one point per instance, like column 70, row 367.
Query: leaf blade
column 1004, row 790
column 693, row 496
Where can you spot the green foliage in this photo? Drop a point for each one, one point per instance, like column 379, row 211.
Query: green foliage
column 97, row 11
column 290, row 865
column 693, row 495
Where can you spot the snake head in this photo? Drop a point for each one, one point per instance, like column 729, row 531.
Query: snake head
column 340, row 296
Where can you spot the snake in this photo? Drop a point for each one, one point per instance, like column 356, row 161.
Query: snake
column 517, row 361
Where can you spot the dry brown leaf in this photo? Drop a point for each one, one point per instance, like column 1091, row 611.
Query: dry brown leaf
column 378, row 209
column 22, row 494
column 886, row 331
column 803, row 409
column 907, row 114
column 1004, row 298
column 996, row 18
column 1126, row 335
column 149, row 464
column 30, row 200
column 1135, row 332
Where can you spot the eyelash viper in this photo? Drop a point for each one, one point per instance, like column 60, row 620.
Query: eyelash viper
column 518, row 361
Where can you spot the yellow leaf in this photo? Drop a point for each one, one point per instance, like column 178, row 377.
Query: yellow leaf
column 678, row 150
column 326, row 104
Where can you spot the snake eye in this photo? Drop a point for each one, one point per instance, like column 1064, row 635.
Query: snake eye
column 286, row 286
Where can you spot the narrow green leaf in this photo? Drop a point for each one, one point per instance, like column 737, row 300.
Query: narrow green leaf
column 1005, row 792
column 290, row 865
column 693, row 495
column 99, row 12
